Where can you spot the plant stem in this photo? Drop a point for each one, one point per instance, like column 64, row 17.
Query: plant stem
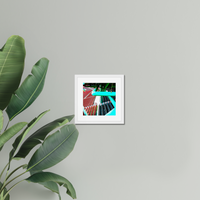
column 4, row 185
column 15, row 171
column 1, row 195
column 11, row 189
column 3, row 170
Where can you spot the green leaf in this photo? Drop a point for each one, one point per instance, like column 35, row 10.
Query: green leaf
column 20, row 138
column 1, row 120
column 4, row 192
column 9, row 133
column 55, row 148
column 48, row 176
column 29, row 90
column 37, row 137
column 51, row 186
column 12, row 57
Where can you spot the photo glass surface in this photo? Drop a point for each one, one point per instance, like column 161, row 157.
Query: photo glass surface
column 99, row 99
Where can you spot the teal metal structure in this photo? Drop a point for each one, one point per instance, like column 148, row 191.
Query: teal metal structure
column 108, row 94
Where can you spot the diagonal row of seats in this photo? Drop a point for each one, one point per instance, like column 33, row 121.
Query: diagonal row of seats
column 85, row 93
column 91, row 110
column 105, row 108
column 88, row 101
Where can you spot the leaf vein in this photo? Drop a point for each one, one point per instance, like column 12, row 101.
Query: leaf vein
column 51, row 151
column 29, row 98
column 7, row 56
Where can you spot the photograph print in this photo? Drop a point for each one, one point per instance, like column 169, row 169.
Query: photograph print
column 99, row 99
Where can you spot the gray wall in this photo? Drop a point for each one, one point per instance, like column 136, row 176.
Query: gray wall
column 156, row 45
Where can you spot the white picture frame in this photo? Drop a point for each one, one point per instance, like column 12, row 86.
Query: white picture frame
column 118, row 118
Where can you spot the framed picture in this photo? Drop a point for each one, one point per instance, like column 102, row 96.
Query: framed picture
column 99, row 99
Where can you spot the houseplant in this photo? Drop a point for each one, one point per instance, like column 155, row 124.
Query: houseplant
column 14, row 99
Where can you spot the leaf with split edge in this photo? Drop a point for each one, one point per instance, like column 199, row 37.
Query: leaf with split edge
column 48, row 176
column 51, row 186
column 20, row 138
column 4, row 192
column 12, row 56
column 1, row 120
column 9, row 133
column 29, row 90
column 55, row 148
column 38, row 136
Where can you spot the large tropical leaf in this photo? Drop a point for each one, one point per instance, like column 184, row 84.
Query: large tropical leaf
column 12, row 57
column 20, row 138
column 29, row 90
column 4, row 192
column 51, row 186
column 55, row 148
column 9, row 133
column 48, row 176
column 37, row 137
column 1, row 120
